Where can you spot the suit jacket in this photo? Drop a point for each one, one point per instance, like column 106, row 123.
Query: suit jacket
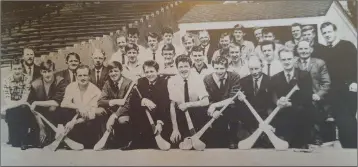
column 231, row 83
column 301, row 97
column 262, row 101
column 103, row 77
column 56, row 90
column 111, row 91
column 158, row 94
column 36, row 74
column 210, row 52
column 320, row 78
column 65, row 74
column 319, row 50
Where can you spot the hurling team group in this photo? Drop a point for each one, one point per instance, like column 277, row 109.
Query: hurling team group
column 193, row 95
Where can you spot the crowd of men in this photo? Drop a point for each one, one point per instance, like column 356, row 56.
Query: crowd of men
column 171, row 81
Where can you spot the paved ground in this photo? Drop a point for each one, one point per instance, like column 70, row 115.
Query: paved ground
column 219, row 157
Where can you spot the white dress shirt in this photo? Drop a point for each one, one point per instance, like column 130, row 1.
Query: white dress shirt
column 275, row 67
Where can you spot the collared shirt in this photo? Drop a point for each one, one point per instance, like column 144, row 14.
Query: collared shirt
column 206, row 49
column 307, row 63
column 169, row 70
column 133, row 73
column 259, row 52
column 217, row 79
column 291, row 73
column 258, row 81
column 206, row 70
column 118, row 57
column 335, row 42
column 196, row 88
column 275, row 67
column 16, row 90
column 98, row 72
column 71, row 75
column 247, row 47
column 89, row 98
column 242, row 68
column 149, row 56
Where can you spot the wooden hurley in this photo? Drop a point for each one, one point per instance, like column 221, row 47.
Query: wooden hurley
column 278, row 143
column 250, row 141
column 186, row 144
column 197, row 144
column 161, row 143
column 53, row 146
column 102, row 142
column 68, row 141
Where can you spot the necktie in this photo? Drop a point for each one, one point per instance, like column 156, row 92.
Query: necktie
column 256, row 86
column 330, row 46
column 288, row 78
column 73, row 76
column 268, row 69
column 186, row 91
column 97, row 79
column 304, row 64
column 30, row 72
column 222, row 84
column 153, row 55
column 123, row 58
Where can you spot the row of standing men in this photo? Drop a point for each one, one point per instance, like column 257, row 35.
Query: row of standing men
column 263, row 85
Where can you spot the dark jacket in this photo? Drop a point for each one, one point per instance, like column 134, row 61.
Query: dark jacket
column 103, row 77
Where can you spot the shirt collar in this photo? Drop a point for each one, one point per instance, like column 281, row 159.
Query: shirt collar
column 307, row 60
column 99, row 69
column 216, row 78
column 335, row 42
column 291, row 73
column 204, row 67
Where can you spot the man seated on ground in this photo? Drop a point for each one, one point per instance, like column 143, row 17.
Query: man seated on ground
column 17, row 111
column 112, row 100
column 81, row 98
column 45, row 97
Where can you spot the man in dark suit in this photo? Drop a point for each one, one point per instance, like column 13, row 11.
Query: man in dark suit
column 99, row 74
column 155, row 99
column 220, row 85
column 294, row 121
column 45, row 97
column 321, row 82
column 112, row 100
column 30, row 68
column 256, row 88
column 208, row 48
column 309, row 34
column 69, row 74
column 341, row 60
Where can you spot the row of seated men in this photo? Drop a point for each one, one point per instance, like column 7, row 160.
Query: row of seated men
column 322, row 85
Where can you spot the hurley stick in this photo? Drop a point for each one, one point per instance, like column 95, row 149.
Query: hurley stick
column 250, row 141
column 162, row 144
column 278, row 143
column 102, row 142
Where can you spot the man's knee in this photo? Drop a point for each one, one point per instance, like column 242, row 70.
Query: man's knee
column 123, row 120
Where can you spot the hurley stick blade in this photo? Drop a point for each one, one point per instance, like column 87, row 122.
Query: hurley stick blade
column 102, row 142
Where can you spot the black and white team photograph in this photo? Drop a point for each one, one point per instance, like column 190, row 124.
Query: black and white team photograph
column 179, row 83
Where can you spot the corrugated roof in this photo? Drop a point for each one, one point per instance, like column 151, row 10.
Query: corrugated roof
column 256, row 11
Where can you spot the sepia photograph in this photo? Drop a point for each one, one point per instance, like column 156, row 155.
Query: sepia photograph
column 179, row 83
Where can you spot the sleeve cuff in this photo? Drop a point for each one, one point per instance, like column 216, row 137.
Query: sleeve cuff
column 110, row 103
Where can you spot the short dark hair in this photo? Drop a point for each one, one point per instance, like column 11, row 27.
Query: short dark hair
column 224, row 34
column 239, row 27
column 267, row 30
column 82, row 66
column 326, row 24
column 308, row 28
column 197, row 49
column 73, row 54
column 296, row 25
column 221, row 60
column 47, row 65
column 266, row 42
column 167, row 30
column 187, row 35
column 168, row 47
column 133, row 31
column 100, row 50
column 183, row 58
column 153, row 35
column 151, row 63
column 131, row 46
column 114, row 64
column 224, row 52
column 15, row 61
